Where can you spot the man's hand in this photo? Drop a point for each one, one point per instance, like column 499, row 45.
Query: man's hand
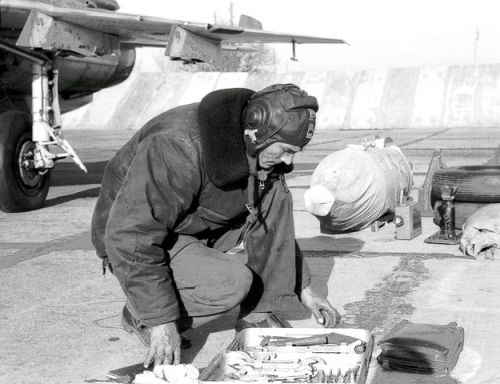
column 165, row 347
column 322, row 310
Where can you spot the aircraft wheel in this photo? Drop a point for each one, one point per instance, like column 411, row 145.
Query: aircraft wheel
column 476, row 183
column 21, row 188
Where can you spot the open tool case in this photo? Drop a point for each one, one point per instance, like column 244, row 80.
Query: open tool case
column 294, row 355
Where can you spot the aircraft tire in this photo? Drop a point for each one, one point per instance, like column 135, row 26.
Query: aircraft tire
column 476, row 184
column 20, row 189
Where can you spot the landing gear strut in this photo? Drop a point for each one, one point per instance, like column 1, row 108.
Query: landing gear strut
column 25, row 143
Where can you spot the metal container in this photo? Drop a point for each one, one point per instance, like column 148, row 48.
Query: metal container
column 408, row 221
column 252, row 357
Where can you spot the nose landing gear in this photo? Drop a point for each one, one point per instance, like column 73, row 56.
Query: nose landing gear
column 22, row 187
column 25, row 141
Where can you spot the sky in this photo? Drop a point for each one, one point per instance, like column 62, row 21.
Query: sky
column 380, row 33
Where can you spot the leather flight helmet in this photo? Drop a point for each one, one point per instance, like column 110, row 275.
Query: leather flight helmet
column 279, row 113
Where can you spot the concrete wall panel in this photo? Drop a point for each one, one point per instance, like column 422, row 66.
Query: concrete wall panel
column 232, row 80
column 314, row 84
column 131, row 108
column 398, row 98
column 99, row 114
column 201, row 83
column 258, row 81
column 96, row 114
column 429, row 98
column 460, row 96
column 487, row 103
column 76, row 118
column 365, row 107
column 338, row 95
column 386, row 98
column 166, row 95
column 290, row 77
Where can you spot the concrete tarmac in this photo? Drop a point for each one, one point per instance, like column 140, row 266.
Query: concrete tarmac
column 60, row 319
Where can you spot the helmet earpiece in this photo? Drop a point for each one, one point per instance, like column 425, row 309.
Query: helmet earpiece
column 274, row 108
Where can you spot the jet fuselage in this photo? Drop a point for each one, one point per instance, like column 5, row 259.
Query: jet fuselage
column 78, row 75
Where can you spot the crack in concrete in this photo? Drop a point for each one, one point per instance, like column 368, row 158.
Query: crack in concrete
column 324, row 253
column 423, row 138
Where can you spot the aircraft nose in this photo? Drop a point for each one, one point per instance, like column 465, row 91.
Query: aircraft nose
column 319, row 200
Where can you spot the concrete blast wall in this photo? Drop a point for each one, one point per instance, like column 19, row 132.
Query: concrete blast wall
column 447, row 97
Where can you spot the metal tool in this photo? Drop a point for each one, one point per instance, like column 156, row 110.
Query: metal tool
column 320, row 377
column 310, row 369
column 305, row 372
column 346, row 378
column 358, row 347
column 297, row 359
column 329, row 338
column 294, row 365
column 447, row 233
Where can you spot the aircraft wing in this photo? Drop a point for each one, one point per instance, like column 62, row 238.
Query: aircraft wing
column 53, row 27
column 154, row 31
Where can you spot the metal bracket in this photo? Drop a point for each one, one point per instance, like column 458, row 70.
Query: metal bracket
column 294, row 56
column 25, row 55
column 190, row 47
column 45, row 32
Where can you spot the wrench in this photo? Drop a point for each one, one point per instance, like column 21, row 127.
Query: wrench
column 357, row 347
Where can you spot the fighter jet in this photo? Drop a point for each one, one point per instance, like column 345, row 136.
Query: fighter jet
column 54, row 54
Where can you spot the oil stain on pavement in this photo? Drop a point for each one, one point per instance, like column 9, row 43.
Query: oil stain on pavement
column 388, row 302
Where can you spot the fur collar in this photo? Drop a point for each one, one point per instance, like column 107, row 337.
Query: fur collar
column 224, row 151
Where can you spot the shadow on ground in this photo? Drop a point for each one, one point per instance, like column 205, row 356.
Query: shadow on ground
column 327, row 246
column 66, row 174
column 69, row 175
column 88, row 193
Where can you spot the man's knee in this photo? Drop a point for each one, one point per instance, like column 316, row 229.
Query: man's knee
column 209, row 281
column 243, row 278
column 222, row 294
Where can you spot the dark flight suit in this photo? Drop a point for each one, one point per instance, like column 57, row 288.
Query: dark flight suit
column 167, row 229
